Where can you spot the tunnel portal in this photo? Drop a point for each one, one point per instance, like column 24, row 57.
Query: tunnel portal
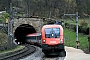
column 22, row 30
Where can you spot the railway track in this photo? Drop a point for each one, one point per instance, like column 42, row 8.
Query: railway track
column 50, row 59
column 57, row 58
column 21, row 54
column 53, row 58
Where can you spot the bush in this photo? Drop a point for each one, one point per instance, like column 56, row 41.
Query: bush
column 3, row 40
column 80, row 29
column 83, row 28
column 51, row 22
column 83, row 23
column 5, row 15
column 67, row 25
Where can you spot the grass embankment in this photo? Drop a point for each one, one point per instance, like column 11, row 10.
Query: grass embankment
column 12, row 50
column 70, row 39
column 3, row 44
column 3, row 39
column 73, row 21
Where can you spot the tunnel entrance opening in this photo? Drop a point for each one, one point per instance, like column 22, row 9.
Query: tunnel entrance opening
column 21, row 32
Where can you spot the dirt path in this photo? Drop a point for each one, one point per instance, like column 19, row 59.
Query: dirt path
column 76, row 54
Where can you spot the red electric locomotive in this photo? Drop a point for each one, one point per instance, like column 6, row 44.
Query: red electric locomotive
column 53, row 40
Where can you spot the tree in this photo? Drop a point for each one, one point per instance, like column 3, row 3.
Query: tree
column 88, row 6
column 28, row 7
column 70, row 6
column 47, row 8
column 81, row 7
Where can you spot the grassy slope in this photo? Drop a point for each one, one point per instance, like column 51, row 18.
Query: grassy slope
column 3, row 38
column 71, row 41
column 79, row 20
column 12, row 50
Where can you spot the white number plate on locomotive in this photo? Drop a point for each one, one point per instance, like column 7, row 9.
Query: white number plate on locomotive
column 53, row 42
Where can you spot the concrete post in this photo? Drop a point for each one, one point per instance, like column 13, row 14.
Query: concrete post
column 76, row 15
column 10, row 29
column 77, row 42
column 89, row 36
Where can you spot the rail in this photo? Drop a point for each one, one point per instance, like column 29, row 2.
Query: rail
column 20, row 54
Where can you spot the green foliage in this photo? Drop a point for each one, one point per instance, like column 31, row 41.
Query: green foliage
column 82, row 27
column 5, row 15
column 12, row 50
column 83, row 23
column 88, row 6
column 19, row 15
column 3, row 40
column 71, row 41
column 69, row 1
column 41, row 6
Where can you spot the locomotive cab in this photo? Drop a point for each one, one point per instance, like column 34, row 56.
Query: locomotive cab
column 53, row 40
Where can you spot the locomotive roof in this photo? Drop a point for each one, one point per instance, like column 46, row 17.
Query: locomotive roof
column 52, row 26
column 34, row 34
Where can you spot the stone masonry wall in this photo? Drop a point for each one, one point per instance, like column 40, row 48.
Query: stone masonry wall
column 35, row 22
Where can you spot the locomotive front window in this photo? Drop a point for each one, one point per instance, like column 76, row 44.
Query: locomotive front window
column 52, row 32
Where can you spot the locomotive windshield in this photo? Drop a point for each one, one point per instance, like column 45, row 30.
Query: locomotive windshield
column 52, row 32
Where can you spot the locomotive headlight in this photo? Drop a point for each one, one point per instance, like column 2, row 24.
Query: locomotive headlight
column 44, row 41
column 15, row 39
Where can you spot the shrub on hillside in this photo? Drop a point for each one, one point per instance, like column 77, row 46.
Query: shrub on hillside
column 3, row 41
column 83, row 23
column 84, row 27
column 81, row 29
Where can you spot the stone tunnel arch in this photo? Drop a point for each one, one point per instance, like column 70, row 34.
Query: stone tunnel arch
column 22, row 30
column 24, row 26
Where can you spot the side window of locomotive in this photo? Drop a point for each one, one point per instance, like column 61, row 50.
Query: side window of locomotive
column 31, row 38
column 52, row 32
column 27, row 37
column 40, row 37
